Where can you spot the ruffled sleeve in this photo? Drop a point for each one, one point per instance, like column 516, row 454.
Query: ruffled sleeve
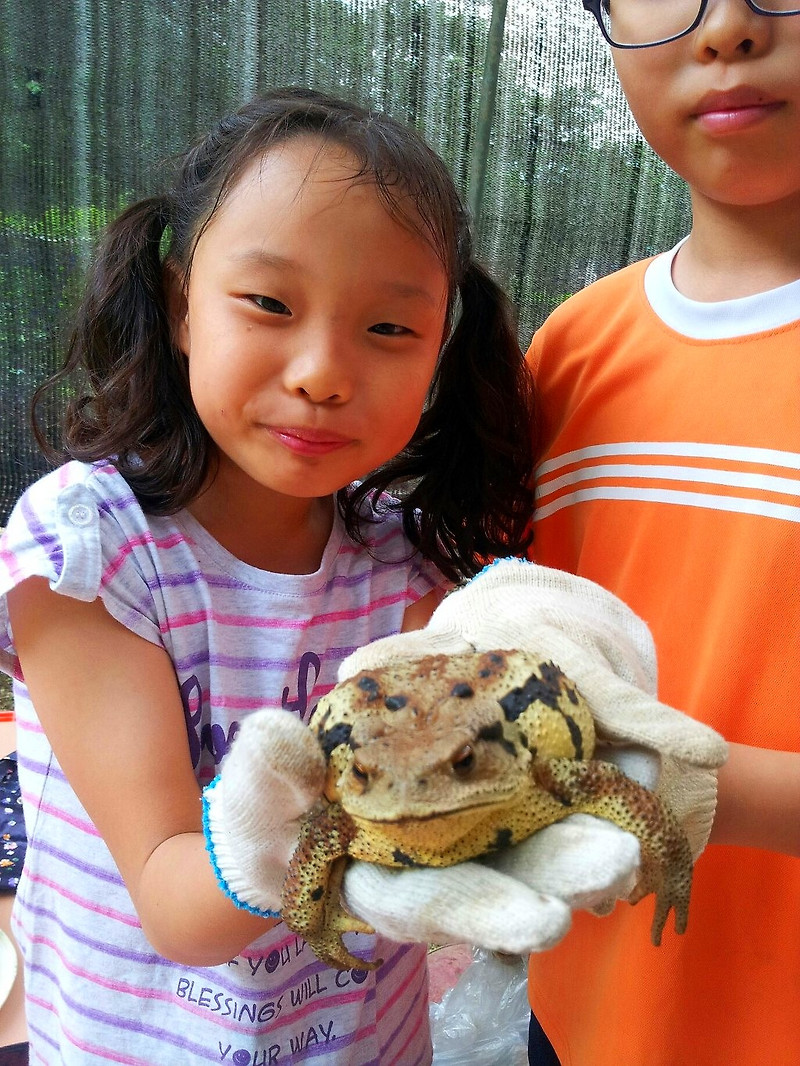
column 75, row 527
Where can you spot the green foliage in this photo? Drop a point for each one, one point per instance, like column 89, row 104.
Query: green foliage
column 63, row 222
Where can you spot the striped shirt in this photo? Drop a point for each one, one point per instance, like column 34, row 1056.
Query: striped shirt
column 240, row 639
column 672, row 478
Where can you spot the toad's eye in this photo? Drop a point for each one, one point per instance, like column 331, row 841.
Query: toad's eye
column 463, row 760
column 267, row 303
column 360, row 774
column 389, row 329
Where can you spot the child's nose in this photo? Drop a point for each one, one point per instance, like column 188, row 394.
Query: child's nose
column 731, row 28
column 319, row 371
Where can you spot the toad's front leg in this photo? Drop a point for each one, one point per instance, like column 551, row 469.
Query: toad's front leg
column 602, row 789
column 310, row 902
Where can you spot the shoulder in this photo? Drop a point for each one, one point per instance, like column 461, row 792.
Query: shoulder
column 388, row 553
column 609, row 318
column 597, row 300
column 67, row 525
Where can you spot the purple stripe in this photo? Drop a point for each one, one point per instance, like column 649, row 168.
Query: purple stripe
column 48, row 541
column 132, row 1026
column 102, row 947
column 219, row 974
column 86, row 868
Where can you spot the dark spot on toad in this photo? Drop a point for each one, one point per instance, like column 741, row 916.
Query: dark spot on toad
column 317, row 893
column 576, row 736
column 394, row 703
column 503, row 839
column 494, row 732
column 402, row 859
column 332, row 738
column 462, row 690
column 370, row 686
column 545, row 689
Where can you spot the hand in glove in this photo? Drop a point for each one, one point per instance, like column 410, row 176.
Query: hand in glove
column 272, row 775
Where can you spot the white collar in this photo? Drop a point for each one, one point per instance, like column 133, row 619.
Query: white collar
column 722, row 320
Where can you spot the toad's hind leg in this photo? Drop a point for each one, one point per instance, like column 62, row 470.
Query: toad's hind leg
column 310, row 902
column 666, row 860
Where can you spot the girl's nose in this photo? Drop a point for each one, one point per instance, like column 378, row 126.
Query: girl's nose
column 319, row 371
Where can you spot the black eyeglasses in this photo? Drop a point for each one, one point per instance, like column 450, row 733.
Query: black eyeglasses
column 644, row 23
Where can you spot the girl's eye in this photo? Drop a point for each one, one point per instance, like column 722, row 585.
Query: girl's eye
column 266, row 303
column 389, row 329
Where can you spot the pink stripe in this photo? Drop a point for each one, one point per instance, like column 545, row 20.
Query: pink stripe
column 137, row 542
column 62, row 816
column 96, row 979
column 103, row 1053
column 9, row 561
column 118, row 916
column 195, row 617
column 292, row 1016
column 399, row 991
column 390, row 1003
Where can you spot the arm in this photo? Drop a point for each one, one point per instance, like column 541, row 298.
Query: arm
column 758, row 800
column 418, row 614
column 110, row 706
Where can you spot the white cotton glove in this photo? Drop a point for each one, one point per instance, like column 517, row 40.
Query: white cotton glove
column 272, row 775
column 517, row 902
column 604, row 648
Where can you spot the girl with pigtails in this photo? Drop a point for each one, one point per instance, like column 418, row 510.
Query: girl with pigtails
column 298, row 413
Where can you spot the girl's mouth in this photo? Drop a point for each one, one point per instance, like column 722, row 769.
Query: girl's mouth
column 307, row 441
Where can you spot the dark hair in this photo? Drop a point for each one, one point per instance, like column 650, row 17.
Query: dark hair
column 462, row 483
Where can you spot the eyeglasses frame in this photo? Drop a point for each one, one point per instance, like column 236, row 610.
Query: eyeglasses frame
column 594, row 8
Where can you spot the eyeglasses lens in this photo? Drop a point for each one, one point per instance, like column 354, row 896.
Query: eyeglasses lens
column 643, row 22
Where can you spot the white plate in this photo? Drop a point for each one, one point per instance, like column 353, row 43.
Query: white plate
column 8, row 966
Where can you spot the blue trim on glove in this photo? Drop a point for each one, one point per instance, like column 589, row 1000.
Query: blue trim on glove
column 223, row 884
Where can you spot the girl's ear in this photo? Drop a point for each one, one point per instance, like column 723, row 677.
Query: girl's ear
column 177, row 308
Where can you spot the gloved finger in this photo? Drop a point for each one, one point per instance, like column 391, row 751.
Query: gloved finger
column 625, row 714
column 468, row 903
column 501, row 607
column 276, row 762
column 401, row 647
column 642, row 765
column 585, row 861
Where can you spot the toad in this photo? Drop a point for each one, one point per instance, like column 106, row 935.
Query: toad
column 443, row 759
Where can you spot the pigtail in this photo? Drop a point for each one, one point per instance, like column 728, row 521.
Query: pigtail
column 131, row 401
column 466, row 476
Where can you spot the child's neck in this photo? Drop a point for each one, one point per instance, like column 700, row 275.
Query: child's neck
column 738, row 251
column 285, row 535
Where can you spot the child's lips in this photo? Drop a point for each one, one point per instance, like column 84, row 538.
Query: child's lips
column 734, row 109
column 306, row 441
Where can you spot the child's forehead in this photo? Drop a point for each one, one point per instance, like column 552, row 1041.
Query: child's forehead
column 308, row 174
column 306, row 198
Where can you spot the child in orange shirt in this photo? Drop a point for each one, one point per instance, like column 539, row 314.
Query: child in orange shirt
column 672, row 445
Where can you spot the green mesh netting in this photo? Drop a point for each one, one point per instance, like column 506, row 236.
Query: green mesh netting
column 95, row 94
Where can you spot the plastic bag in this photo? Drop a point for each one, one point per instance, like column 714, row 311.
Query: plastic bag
column 484, row 1017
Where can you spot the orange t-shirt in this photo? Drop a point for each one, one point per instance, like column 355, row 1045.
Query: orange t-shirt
column 672, row 477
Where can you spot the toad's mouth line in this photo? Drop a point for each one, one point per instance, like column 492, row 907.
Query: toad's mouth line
column 411, row 819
